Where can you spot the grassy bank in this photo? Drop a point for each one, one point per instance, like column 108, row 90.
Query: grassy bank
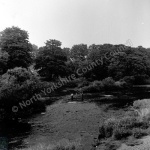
column 134, row 125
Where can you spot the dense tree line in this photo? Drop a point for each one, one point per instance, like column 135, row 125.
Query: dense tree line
column 23, row 64
column 53, row 61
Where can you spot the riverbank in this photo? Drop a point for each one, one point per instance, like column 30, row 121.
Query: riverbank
column 70, row 120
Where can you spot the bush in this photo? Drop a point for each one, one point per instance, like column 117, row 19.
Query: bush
column 137, row 80
column 140, row 104
column 110, row 145
column 108, row 83
column 71, row 84
column 83, row 84
column 140, row 79
column 142, row 108
column 138, row 133
column 90, row 89
column 129, row 80
column 98, row 84
column 106, row 129
column 122, row 127
column 80, row 82
column 104, row 85
column 18, row 85
column 120, row 133
column 74, row 83
column 128, row 122
column 120, row 84
column 94, row 87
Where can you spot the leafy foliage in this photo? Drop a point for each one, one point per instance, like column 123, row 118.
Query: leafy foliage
column 51, row 60
column 122, row 127
column 15, row 42
column 18, row 85
column 3, row 62
column 129, row 63
column 79, row 52
column 104, row 85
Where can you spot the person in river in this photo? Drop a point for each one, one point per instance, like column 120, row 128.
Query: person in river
column 71, row 97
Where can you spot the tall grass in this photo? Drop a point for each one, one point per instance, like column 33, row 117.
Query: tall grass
column 61, row 145
column 135, row 123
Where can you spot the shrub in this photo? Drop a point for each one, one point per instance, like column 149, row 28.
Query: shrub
column 140, row 104
column 106, row 129
column 90, row 89
column 128, row 79
column 111, row 145
column 140, row 79
column 120, row 133
column 147, row 81
column 95, row 86
column 142, row 108
column 120, row 84
column 109, row 126
column 83, row 84
column 73, row 83
column 132, row 125
column 114, row 127
column 104, row 85
column 18, row 85
column 79, row 82
column 138, row 132
column 98, row 84
column 128, row 122
column 122, row 127
column 108, row 83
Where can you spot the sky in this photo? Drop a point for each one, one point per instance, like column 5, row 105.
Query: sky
column 79, row 21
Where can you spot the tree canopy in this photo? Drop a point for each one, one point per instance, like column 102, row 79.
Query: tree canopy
column 15, row 42
column 51, row 60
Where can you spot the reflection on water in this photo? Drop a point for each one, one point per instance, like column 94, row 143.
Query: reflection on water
column 18, row 132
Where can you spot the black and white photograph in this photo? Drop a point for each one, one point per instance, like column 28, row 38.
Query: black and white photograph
column 74, row 74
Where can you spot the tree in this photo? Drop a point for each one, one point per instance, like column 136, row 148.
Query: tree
column 17, row 86
column 66, row 50
column 79, row 52
column 51, row 60
column 132, row 62
column 3, row 62
column 35, row 50
column 97, row 52
column 15, row 42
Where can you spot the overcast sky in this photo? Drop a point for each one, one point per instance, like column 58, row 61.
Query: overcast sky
column 79, row 21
